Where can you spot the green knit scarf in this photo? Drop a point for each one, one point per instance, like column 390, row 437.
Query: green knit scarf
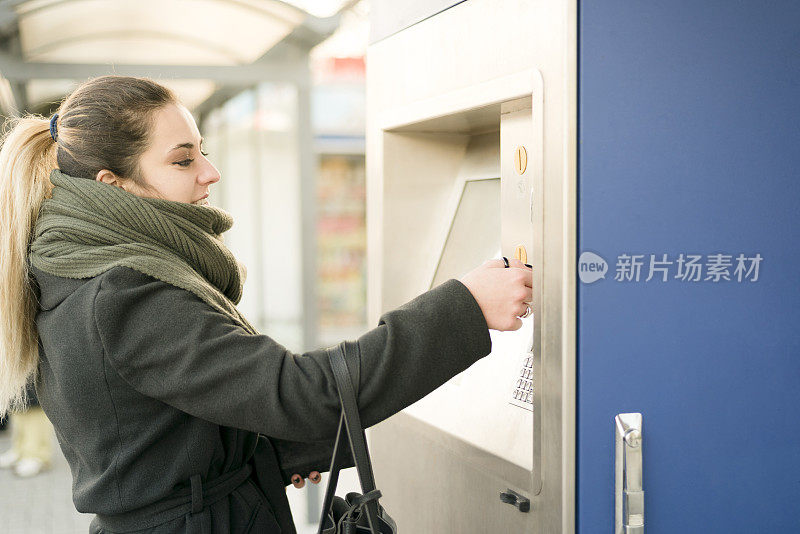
column 89, row 227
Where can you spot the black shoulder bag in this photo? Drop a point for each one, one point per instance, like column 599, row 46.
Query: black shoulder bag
column 357, row 513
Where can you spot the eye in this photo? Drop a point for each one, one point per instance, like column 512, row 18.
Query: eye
column 184, row 163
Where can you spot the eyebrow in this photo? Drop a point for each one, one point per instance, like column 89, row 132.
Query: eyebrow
column 184, row 145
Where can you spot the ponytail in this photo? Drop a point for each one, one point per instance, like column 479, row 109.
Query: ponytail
column 105, row 123
column 27, row 157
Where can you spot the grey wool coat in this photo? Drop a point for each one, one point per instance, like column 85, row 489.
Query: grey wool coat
column 175, row 420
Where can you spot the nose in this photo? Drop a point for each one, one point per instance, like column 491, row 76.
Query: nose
column 209, row 174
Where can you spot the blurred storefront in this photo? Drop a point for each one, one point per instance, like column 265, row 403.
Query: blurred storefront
column 253, row 139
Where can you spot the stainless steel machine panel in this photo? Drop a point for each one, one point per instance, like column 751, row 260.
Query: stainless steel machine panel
column 469, row 99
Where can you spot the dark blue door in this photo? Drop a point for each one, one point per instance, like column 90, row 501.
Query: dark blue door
column 689, row 192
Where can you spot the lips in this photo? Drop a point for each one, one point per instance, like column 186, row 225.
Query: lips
column 201, row 201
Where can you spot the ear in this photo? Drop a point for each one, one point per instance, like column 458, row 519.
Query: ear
column 108, row 177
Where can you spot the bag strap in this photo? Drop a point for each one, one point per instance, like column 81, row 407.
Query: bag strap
column 351, row 420
column 333, row 479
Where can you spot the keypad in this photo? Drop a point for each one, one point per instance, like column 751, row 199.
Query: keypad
column 522, row 390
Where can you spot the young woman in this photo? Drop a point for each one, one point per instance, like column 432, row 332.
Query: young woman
column 119, row 302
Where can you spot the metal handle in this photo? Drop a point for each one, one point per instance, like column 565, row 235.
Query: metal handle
column 629, row 495
column 512, row 497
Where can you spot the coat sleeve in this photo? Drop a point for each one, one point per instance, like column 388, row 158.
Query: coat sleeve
column 170, row 345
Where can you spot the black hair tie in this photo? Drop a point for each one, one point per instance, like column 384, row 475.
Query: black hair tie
column 54, row 127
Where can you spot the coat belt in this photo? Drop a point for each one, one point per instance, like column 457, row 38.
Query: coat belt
column 188, row 500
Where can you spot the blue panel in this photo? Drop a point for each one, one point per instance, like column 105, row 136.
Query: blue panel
column 689, row 121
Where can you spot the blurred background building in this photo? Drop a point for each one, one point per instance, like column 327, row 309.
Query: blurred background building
column 277, row 90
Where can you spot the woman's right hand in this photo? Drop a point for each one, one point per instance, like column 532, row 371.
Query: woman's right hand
column 503, row 294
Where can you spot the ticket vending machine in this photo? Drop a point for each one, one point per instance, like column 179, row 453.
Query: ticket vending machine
column 457, row 166
column 643, row 394
column 487, row 162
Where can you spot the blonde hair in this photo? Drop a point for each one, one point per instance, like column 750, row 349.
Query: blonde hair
column 103, row 124
column 26, row 158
